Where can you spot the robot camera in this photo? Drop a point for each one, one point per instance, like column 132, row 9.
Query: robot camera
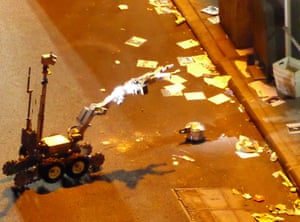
column 48, row 59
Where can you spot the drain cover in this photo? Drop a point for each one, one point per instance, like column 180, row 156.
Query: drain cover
column 212, row 205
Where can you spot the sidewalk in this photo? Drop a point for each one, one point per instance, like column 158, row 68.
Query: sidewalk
column 271, row 121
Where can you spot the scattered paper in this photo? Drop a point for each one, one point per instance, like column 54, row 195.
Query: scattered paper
column 242, row 66
column 160, row 3
column 244, row 155
column 173, row 90
column 176, row 79
column 211, row 10
column 197, row 70
column 162, row 10
column 135, row 41
column 167, row 93
column 106, row 142
column 218, row 81
column 194, row 96
column 263, row 90
column 186, row 44
column 273, row 101
column 202, row 59
column 219, row 99
column 123, row 7
column 293, row 128
column 245, row 52
column 244, row 144
column 184, row 157
column 282, row 209
column 273, row 157
column 297, row 207
column 175, row 87
column 235, row 191
column 265, row 217
column 147, row 63
column 166, row 7
column 286, row 181
column 214, row 19
column 247, row 196
column 185, row 60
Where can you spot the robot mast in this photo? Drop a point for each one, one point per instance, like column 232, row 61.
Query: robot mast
column 46, row 60
column 29, row 91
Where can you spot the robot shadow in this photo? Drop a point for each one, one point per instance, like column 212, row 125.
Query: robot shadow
column 130, row 177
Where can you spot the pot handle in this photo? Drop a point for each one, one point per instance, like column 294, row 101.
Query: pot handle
column 185, row 130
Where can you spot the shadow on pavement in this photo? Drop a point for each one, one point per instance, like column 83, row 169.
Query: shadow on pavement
column 130, row 177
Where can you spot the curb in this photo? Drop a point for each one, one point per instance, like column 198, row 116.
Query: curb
column 287, row 158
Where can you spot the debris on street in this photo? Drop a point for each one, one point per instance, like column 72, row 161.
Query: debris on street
column 265, row 217
column 259, row 198
column 106, row 142
column 278, row 209
column 273, row 209
column 246, row 155
column 211, row 10
column 273, row 101
column 229, row 92
column 297, row 207
column 235, row 191
column 286, row 181
column 176, row 79
column 273, row 157
column 198, row 65
column 194, row 96
column 173, row 90
column 242, row 66
column 267, row 93
column 214, row 19
column 197, row 70
column 218, row 81
column 241, row 108
column 185, row 60
column 219, row 99
column 247, row 196
column 283, row 209
column 147, row 63
column 135, row 41
column 293, row 128
column 166, row 7
column 184, row 157
column 263, row 90
column 179, row 18
column 175, row 162
column 246, row 148
column 123, row 7
column 186, row 44
column 160, row 3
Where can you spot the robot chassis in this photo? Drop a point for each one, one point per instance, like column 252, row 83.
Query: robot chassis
column 50, row 158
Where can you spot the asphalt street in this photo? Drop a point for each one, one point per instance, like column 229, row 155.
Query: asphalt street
column 146, row 175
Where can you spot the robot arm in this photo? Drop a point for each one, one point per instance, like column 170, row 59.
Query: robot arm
column 134, row 86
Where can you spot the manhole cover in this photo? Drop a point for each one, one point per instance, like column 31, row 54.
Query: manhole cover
column 212, row 205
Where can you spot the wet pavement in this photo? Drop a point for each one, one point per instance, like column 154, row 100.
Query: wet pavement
column 150, row 173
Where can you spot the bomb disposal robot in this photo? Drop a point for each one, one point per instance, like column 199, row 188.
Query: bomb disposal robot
column 51, row 157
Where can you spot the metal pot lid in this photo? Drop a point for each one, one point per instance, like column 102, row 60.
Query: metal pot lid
column 195, row 126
